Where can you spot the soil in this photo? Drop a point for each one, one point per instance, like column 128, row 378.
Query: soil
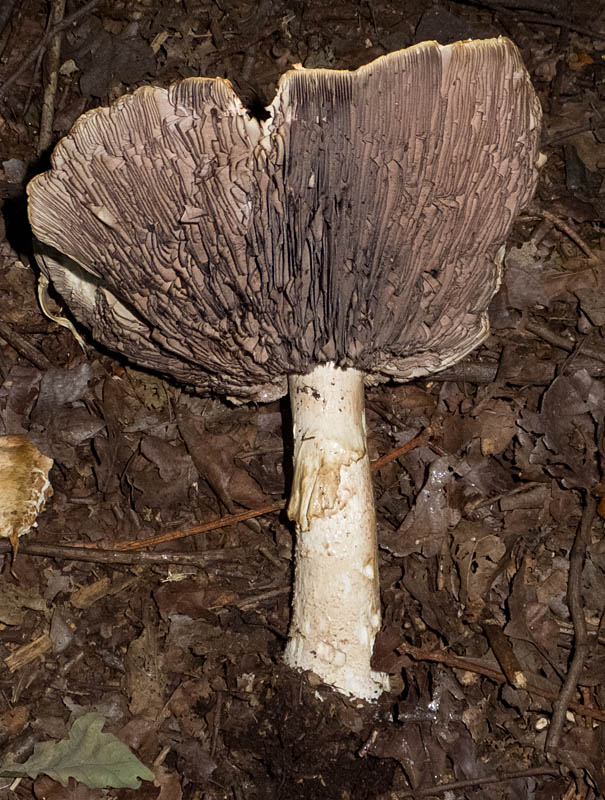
column 492, row 554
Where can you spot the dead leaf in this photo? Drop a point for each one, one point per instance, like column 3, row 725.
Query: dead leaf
column 144, row 682
column 477, row 552
column 571, row 414
column 47, row 789
column 169, row 783
column 214, row 456
column 16, row 600
column 105, row 58
column 497, row 426
column 194, row 762
column 424, row 528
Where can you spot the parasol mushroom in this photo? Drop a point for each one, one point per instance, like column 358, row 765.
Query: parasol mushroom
column 349, row 239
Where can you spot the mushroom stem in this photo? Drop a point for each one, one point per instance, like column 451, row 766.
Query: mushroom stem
column 336, row 604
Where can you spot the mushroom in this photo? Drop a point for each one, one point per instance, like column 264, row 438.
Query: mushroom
column 24, row 487
column 349, row 239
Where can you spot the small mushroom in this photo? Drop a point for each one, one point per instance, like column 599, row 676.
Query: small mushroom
column 349, row 239
column 24, row 487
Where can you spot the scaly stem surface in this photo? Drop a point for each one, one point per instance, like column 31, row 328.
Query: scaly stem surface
column 336, row 605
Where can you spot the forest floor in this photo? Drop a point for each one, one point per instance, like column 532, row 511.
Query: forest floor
column 490, row 526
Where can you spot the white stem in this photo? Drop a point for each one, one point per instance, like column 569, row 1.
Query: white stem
column 336, row 605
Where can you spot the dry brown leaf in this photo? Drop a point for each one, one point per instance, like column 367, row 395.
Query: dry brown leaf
column 477, row 552
column 497, row 426
column 169, row 783
column 425, row 527
column 144, row 680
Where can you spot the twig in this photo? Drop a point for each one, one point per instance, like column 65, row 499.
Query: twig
column 562, row 342
column 225, row 51
column 443, row 657
column 368, row 744
column 53, row 62
column 102, row 556
column 33, row 81
column 418, row 441
column 575, row 237
column 223, row 522
column 23, row 347
column 469, row 371
column 246, row 603
column 505, row 655
column 576, row 611
column 549, row 336
column 560, row 136
column 559, row 22
column 118, row 553
column 67, row 22
column 28, row 653
column 218, row 708
column 219, row 39
column 442, row 788
column 541, row 19
column 490, row 501
column 560, row 72
column 488, row 372
column 161, row 757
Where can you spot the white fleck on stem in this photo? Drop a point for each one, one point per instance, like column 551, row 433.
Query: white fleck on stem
column 336, row 605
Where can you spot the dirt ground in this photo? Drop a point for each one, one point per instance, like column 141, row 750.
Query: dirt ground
column 492, row 555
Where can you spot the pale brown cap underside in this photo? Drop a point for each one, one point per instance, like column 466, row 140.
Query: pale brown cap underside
column 24, row 486
column 358, row 225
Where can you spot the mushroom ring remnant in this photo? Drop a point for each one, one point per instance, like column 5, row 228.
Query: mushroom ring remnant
column 350, row 238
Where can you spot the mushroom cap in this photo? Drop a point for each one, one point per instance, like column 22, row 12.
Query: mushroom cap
column 358, row 225
column 24, row 486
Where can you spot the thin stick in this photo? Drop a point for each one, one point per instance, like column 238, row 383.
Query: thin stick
column 558, row 22
column 33, row 81
column 443, row 657
column 442, row 788
column 489, row 501
column 576, row 611
column 535, row 18
column 100, row 556
column 575, row 237
column 218, row 708
column 552, row 338
column 246, row 603
column 418, row 441
column 560, row 136
column 223, row 522
column 505, row 655
column 24, row 347
column 562, row 342
column 53, row 62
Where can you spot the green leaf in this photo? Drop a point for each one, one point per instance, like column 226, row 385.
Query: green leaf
column 99, row 760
